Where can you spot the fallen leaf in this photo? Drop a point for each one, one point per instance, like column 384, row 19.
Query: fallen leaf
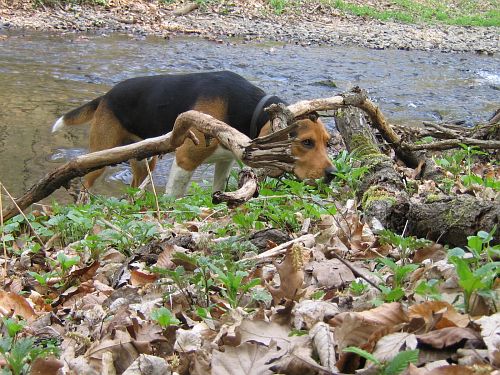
column 389, row 346
column 148, row 365
column 449, row 336
column 46, row 366
column 263, row 332
column 245, row 359
column 291, row 276
column 490, row 331
column 330, row 274
column 324, row 343
column 438, row 314
column 14, row 303
column 309, row 312
column 140, row 278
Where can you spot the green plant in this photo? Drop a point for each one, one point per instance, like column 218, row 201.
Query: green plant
column 278, row 5
column 476, row 270
column 42, row 278
column 429, row 289
column 358, row 287
column 405, row 245
column 66, row 262
column 395, row 292
column 164, row 317
column 233, row 285
column 20, row 352
column 397, row 365
column 347, row 172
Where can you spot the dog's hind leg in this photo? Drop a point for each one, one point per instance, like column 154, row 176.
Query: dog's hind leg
column 178, row 180
column 105, row 132
column 221, row 174
column 140, row 170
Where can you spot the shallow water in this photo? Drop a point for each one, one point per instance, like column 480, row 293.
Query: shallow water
column 44, row 75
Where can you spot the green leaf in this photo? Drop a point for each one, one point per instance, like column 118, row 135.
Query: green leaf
column 401, row 362
column 363, row 353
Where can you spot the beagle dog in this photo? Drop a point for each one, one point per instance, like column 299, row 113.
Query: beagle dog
column 146, row 107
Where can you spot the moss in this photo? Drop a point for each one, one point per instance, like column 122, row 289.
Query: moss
column 376, row 193
column 457, row 209
column 432, row 198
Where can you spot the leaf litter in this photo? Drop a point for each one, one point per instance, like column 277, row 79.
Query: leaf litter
column 195, row 300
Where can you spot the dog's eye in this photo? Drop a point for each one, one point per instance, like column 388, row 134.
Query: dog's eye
column 308, row 143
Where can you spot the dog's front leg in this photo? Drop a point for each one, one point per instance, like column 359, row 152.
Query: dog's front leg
column 178, row 180
column 221, row 173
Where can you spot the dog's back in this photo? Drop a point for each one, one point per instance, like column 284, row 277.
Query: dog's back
column 148, row 106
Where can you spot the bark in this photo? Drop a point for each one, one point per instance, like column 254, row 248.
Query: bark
column 383, row 195
column 247, row 188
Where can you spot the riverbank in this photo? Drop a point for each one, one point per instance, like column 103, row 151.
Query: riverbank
column 318, row 24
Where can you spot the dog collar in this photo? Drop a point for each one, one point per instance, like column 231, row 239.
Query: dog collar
column 258, row 109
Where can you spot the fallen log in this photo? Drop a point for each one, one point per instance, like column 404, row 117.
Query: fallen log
column 383, row 194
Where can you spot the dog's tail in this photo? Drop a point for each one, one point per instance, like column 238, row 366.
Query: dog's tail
column 78, row 116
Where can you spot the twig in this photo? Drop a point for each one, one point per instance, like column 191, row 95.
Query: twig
column 22, row 213
column 154, row 190
column 453, row 143
column 354, row 271
column 280, row 249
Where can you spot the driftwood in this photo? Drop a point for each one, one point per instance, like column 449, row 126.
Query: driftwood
column 270, row 151
column 383, row 194
column 247, row 188
column 485, row 136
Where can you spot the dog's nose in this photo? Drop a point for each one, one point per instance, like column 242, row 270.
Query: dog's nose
column 329, row 174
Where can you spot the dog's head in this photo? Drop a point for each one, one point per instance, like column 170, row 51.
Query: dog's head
column 309, row 146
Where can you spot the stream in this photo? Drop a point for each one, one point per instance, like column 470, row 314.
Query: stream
column 43, row 75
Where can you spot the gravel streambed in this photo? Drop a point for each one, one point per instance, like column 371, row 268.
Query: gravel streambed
column 312, row 25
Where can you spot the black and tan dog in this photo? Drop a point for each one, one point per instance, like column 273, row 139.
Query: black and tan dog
column 146, row 107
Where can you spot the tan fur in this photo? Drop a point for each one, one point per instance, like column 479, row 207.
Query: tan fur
column 189, row 156
column 311, row 162
column 107, row 132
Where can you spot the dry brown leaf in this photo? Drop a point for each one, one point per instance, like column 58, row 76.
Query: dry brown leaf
column 443, row 370
column 165, row 258
column 438, row 314
column 263, row 332
column 140, row 278
column 449, row 336
column 291, row 275
column 389, row 346
column 14, row 303
column 121, row 345
column 46, row 366
column 148, row 365
column 434, row 252
column 85, row 273
column 355, row 328
column 187, row 340
column 324, row 343
column 490, row 331
column 245, row 359
column 309, row 312
column 113, row 256
column 330, row 273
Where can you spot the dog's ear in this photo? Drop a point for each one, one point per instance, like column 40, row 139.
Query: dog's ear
column 313, row 116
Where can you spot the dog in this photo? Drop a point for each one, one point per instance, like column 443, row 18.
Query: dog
column 145, row 107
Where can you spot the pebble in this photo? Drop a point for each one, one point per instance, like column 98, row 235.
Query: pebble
column 306, row 29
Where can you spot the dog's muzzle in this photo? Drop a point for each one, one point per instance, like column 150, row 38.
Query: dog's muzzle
column 329, row 174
